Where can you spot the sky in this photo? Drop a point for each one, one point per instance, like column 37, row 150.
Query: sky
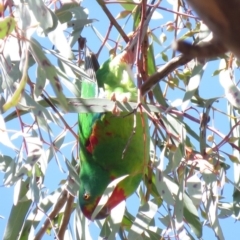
column 210, row 87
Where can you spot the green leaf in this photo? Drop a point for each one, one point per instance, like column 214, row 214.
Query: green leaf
column 18, row 213
column 193, row 85
column 7, row 25
column 169, row 192
column 44, row 16
column 123, row 14
column 40, row 81
column 164, row 57
column 50, row 71
column 145, row 215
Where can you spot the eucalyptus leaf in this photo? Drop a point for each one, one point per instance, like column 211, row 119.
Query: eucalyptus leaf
column 18, row 214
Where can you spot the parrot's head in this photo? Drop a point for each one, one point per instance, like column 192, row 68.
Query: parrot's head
column 88, row 201
column 92, row 187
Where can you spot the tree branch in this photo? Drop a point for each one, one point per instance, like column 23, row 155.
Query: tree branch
column 164, row 71
column 61, row 201
column 113, row 21
column 222, row 17
column 66, row 216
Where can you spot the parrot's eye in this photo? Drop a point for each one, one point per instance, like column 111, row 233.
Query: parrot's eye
column 86, row 196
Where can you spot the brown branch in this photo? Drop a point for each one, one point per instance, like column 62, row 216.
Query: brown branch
column 59, row 115
column 61, row 201
column 222, row 17
column 66, row 216
column 113, row 20
column 209, row 49
column 226, row 138
column 152, row 5
column 106, row 38
column 164, row 71
column 139, row 43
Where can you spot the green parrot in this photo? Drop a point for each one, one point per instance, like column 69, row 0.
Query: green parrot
column 111, row 145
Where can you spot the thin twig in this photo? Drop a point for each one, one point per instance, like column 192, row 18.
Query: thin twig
column 132, row 134
column 50, row 104
column 139, row 44
column 106, row 38
column 59, row 115
column 113, row 21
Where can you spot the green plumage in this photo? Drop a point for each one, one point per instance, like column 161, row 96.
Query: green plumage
column 108, row 147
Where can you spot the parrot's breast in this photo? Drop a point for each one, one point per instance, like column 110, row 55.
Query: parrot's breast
column 116, row 145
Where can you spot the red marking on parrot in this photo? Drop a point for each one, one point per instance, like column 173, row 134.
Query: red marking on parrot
column 116, row 197
column 91, row 143
column 109, row 134
column 106, row 122
column 92, row 140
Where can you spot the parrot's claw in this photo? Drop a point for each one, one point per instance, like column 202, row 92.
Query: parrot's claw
column 113, row 97
column 118, row 97
column 121, row 97
column 125, row 99
column 115, row 110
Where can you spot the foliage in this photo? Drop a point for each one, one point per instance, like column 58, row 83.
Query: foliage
column 194, row 137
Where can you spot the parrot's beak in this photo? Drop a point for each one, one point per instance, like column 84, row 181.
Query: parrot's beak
column 103, row 213
column 89, row 209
